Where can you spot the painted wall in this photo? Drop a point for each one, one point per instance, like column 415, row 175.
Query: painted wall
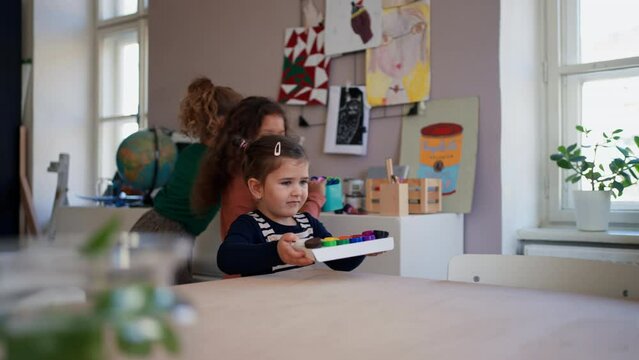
column 62, row 99
column 239, row 43
column 520, row 59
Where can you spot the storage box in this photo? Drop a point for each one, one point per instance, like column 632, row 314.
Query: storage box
column 393, row 199
column 424, row 195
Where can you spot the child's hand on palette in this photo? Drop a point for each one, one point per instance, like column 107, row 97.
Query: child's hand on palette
column 289, row 254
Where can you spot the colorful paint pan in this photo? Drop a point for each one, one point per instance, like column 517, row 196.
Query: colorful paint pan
column 343, row 240
column 368, row 233
column 355, row 239
column 329, row 241
column 380, row 234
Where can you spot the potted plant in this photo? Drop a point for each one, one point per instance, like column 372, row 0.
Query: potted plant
column 605, row 178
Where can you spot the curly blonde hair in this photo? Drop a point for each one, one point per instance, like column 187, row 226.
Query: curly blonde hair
column 204, row 107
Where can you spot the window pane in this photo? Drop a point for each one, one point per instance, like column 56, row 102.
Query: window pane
column 608, row 104
column 119, row 73
column 112, row 133
column 110, row 9
column 608, row 29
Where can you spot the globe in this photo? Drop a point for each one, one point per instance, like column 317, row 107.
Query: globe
column 136, row 159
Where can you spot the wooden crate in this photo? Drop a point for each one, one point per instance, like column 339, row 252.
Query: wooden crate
column 393, row 199
column 424, row 195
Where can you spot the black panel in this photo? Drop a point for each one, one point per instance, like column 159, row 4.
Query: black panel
column 10, row 90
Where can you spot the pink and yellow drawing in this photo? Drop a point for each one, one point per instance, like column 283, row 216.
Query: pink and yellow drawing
column 398, row 71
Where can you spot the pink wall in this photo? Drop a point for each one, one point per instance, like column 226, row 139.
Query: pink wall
column 239, row 43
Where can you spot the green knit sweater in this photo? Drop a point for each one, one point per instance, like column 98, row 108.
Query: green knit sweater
column 174, row 200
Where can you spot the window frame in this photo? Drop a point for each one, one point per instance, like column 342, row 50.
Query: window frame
column 139, row 22
column 560, row 121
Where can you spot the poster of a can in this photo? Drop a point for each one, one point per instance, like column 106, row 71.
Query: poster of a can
column 347, row 121
column 442, row 143
column 352, row 25
column 398, row 71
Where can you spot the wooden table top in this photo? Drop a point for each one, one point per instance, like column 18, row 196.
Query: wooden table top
column 323, row 314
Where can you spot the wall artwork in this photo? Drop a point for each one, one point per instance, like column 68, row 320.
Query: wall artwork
column 442, row 143
column 347, row 122
column 398, row 71
column 394, row 3
column 305, row 70
column 353, row 25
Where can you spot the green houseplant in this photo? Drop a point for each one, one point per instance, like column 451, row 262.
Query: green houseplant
column 605, row 178
column 59, row 300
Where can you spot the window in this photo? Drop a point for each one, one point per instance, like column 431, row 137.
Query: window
column 122, row 76
column 592, row 78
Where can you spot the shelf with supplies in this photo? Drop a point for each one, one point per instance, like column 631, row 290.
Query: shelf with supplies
column 423, row 243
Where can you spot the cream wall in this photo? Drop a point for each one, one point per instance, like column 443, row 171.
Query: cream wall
column 63, row 98
column 521, row 118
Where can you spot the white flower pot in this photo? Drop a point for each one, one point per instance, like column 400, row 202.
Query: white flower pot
column 592, row 210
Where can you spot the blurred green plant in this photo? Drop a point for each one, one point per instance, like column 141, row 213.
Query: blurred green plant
column 138, row 314
column 618, row 174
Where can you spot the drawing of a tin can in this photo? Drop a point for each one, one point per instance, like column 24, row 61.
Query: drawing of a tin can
column 440, row 154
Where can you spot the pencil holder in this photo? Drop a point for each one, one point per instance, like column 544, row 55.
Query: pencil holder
column 424, row 195
column 333, row 196
column 393, row 199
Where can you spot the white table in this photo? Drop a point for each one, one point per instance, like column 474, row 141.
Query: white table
column 322, row 314
column 423, row 243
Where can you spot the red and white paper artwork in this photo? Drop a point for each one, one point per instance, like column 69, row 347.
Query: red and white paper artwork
column 305, row 70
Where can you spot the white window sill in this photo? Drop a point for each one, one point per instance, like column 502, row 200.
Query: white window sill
column 571, row 234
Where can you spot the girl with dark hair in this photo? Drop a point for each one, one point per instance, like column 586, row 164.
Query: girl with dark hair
column 221, row 180
column 276, row 172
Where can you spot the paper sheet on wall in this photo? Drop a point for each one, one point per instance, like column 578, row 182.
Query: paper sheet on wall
column 353, row 25
column 442, row 143
column 395, row 3
column 305, row 70
column 347, row 121
column 398, row 71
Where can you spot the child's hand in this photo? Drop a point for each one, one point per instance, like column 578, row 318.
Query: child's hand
column 317, row 185
column 289, row 254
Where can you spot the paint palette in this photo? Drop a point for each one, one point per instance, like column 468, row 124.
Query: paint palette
column 333, row 248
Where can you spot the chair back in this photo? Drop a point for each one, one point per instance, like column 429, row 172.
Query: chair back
column 592, row 277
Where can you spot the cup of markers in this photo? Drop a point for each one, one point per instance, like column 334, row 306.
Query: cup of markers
column 334, row 194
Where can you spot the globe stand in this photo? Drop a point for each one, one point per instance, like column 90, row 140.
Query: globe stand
column 147, row 200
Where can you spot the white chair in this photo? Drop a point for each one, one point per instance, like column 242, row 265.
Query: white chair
column 84, row 220
column 548, row 273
